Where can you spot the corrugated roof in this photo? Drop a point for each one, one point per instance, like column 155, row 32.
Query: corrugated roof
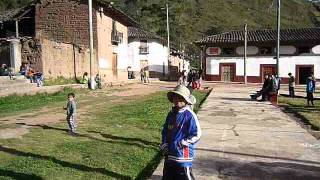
column 266, row 35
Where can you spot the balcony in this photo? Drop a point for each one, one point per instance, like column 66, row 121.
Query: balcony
column 144, row 49
column 115, row 38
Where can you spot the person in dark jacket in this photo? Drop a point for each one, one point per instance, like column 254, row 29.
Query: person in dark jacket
column 264, row 90
column 310, row 90
column 291, row 85
column 181, row 131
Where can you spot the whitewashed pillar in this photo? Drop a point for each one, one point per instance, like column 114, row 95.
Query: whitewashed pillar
column 15, row 54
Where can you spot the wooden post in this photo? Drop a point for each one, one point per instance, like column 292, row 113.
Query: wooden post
column 245, row 53
column 17, row 28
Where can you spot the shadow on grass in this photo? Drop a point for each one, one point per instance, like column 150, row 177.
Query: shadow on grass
column 79, row 167
column 114, row 139
column 295, row 110
column 16, row 175
column 127, row 139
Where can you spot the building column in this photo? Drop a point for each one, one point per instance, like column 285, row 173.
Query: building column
column 15, row 54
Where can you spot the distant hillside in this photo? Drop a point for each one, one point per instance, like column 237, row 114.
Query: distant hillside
column 194, row 19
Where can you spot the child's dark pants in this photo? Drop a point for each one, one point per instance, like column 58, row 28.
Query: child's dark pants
column 177, row 173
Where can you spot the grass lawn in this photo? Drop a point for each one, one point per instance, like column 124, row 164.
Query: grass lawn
column 19, row 104
column 115, row 141
column 297, row 106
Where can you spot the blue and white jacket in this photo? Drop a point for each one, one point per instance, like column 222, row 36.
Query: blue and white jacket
column 180, row 133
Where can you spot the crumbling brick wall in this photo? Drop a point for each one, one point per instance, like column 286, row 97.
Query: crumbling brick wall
column 62, row 29
column 64, row 21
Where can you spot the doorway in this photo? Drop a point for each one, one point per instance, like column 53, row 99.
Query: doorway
column 267, row 69
column 227, row 72
column 303, row 72
column 115, row 65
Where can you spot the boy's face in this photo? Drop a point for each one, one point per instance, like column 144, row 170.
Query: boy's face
column 70, row 98
column 178, row 101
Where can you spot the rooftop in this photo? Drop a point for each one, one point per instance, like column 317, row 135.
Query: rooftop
column 134, row 32
column 265, row 35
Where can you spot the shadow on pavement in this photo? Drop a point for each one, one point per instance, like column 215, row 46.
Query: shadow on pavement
column 240, row 170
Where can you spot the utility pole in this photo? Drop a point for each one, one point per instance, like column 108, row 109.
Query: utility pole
column 91, row 44
column 245, row 52
column 168, row 32
column 278, row 35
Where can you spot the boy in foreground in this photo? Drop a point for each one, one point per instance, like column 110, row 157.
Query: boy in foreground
column 71, row 113
column 180, row 133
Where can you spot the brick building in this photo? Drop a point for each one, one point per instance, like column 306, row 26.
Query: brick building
column 53, row 36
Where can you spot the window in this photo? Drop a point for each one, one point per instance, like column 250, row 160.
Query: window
column 228, row 51
column 144, row 49
column 120, row 37
column 265, row 50
column 303, row 49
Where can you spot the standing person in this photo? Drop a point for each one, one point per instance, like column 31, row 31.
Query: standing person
column 313, row 82
column 97, row 79
column 310, row 90
column 71, row 113
column 291, row 85
column 146, row 75
column 183, row 79
column 142, row 75
column 181, row 131
column 189, row 77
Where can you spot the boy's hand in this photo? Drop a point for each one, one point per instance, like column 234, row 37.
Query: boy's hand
column 183, row 144
column 64, row 108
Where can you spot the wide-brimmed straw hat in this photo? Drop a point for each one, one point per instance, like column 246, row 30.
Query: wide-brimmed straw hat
column 182, row 91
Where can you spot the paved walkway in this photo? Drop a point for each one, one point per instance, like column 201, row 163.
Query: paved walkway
column 245, row 139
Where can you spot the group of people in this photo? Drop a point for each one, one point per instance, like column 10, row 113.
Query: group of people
column 310, row 87
column 26, row 71
column 86, row 81
column 144, row 75
column 271, row 85
column 32, row 75
column 192, row 79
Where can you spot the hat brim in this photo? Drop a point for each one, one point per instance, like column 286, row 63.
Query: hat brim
column 172, row 93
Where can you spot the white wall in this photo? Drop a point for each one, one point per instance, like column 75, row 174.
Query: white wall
column 287, row 64
column 157, row 57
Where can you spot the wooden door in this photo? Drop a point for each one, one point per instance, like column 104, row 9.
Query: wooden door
column 267, row 70
column 227, row 73
column 115, row 65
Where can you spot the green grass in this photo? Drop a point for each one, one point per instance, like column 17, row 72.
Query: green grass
column 116, row 141
column 60, row 81
column 18, row 104
column 297, row 106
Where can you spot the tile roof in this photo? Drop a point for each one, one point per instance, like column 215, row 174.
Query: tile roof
column 266, row 35
column 134, row 32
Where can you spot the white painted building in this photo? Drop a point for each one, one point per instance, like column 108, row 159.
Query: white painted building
column 224, row 55
column 146, row 50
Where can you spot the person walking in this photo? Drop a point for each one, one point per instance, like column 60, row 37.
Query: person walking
column 71, row 113
column 142, row 75
column 310, row 90
column 291, row 85
column 313, row 82
column 146, row 75
column 181, row 131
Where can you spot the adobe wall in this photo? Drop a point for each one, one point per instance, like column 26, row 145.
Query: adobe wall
column 106, row 50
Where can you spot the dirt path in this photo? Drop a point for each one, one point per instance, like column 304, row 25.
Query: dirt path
column 18, row 125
